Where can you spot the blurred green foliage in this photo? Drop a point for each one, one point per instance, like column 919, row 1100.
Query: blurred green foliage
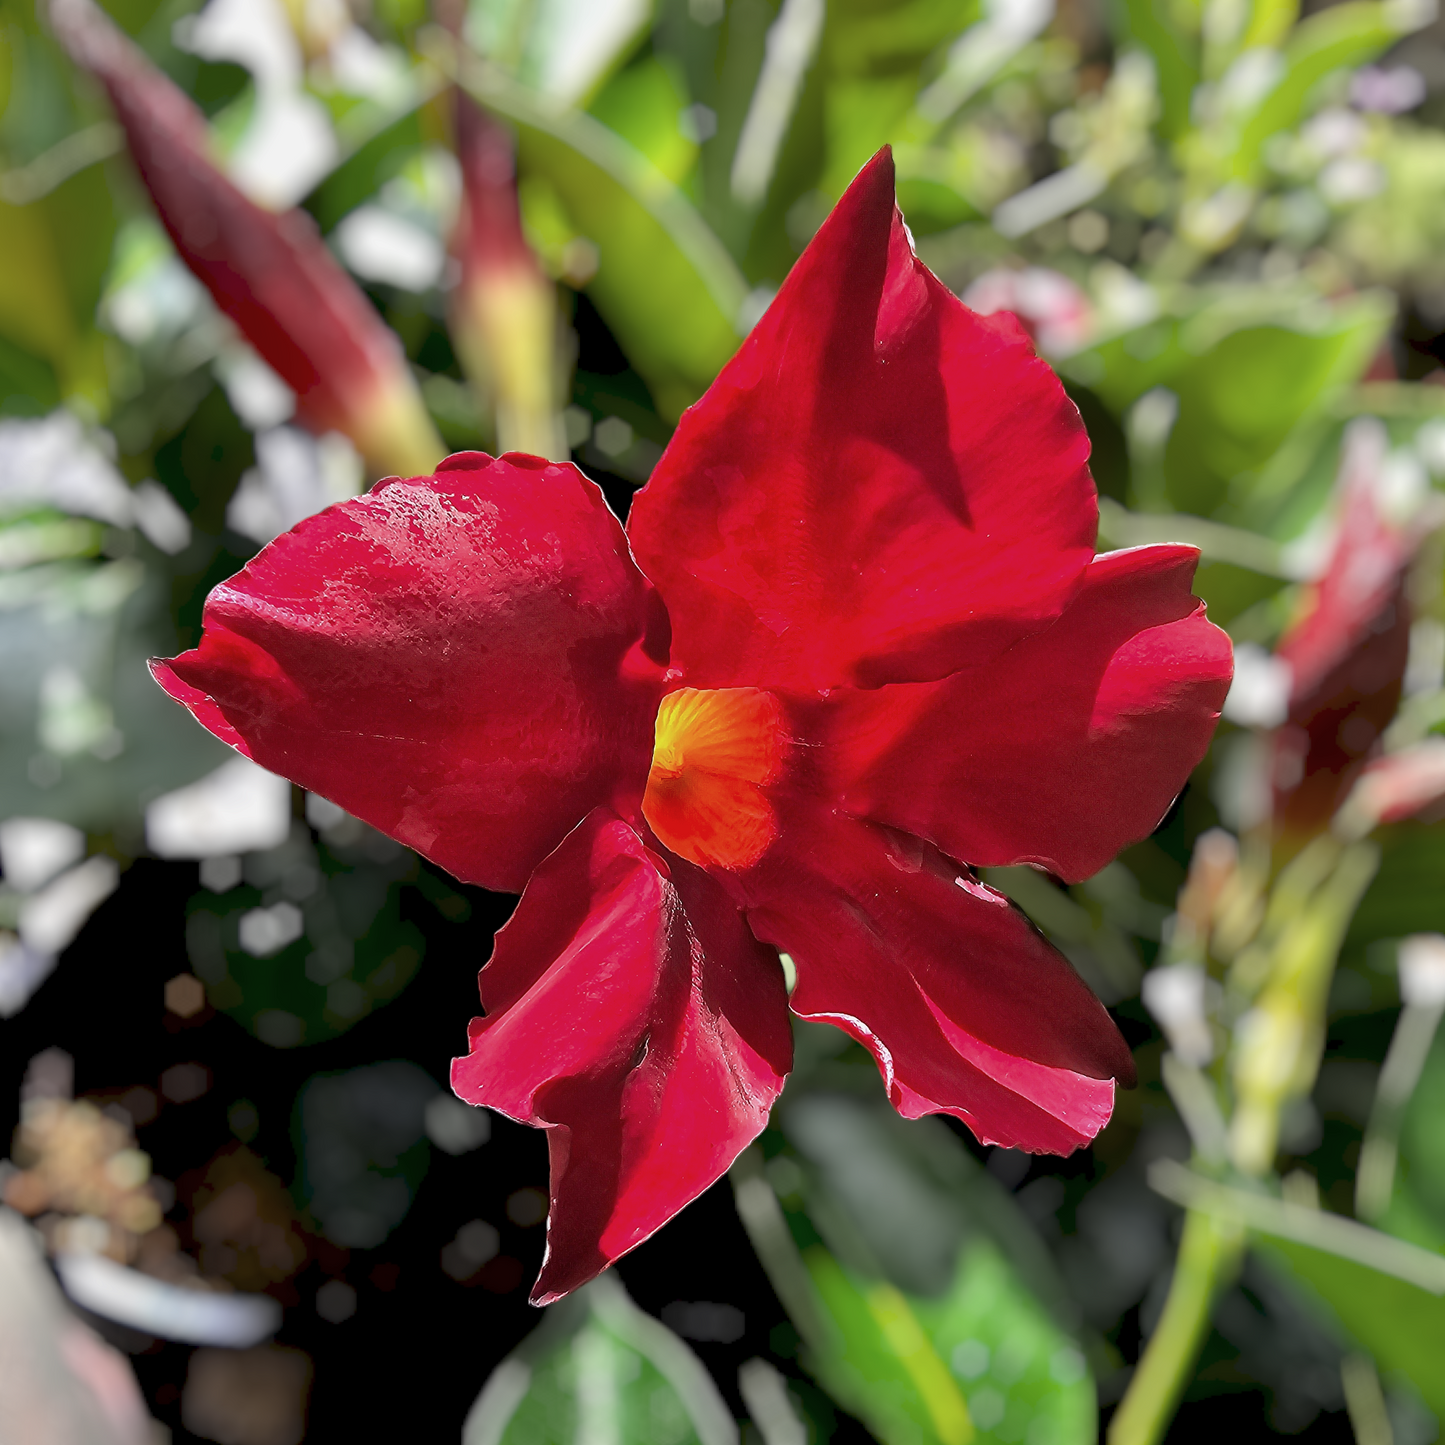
column 1221, row 221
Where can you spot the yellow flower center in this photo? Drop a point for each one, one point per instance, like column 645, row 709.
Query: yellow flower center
column 714, row 751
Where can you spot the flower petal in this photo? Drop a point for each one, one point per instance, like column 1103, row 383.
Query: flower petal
column 456, row 659
column 1068, row 747
column 880, row 487
column 271, row 274
column 967, row 1009
column 633, row 1016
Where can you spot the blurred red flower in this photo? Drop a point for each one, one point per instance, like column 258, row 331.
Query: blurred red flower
column 1348, row 648
column 858, row 645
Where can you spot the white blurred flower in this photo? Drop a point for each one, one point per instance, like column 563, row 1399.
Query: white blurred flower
column 1335, row 131
column 239, row 808
column 1391, row 92
column 257, row 395
column 51, row 919
column 382, row 246
column 1259, row 695
column 1422, row 970
column 1350, row 179
column 265, row 931
column 51, row 462
column 297, row 476
column 34, row 850
column 289, row 144
column 1176, row 996
column 1430, row 446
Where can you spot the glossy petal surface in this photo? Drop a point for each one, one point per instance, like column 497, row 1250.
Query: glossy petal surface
column 967, row 1009
column 1068, row 747
column 635, row 1018
column 457, row 660
column 881, row 486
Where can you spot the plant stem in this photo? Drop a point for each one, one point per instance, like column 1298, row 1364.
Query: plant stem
column 1209, row 1253
column 1404, row 1063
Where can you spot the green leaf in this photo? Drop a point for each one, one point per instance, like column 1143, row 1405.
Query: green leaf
column 361, row 1148
column 1406, row 896
column 876, row 57
column 1342, row 36
column 1398, row 1323
column 936, row 1311
column 97, row 623
column 1154, row 25
column 598, row 1366
column 1247, row 368
column 357, row 952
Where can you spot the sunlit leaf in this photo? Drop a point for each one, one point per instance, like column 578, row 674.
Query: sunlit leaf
column 941, row 1314
column 599, row 1368
column 1242, row 373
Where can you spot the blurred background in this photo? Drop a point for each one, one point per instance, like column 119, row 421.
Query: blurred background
column 241, row 1204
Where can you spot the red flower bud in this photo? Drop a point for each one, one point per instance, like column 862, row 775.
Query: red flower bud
column 271, row 274
column 1347, row 652
column 504, row 309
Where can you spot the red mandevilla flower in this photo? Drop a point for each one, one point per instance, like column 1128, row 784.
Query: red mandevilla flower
column 858, row 643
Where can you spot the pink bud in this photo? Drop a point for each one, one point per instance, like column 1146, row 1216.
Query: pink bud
column 1050, row 307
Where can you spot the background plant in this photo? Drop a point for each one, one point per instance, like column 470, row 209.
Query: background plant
column 1221, row 222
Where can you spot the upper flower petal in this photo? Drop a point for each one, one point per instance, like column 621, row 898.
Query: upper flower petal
column 967, row 1009
column 457, row 659
column 634, row 1016
column 1065, row 749
column 881, row 486
column 271, row 274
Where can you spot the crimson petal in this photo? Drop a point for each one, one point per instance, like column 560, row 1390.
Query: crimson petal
column 633, row 1016
column 1071, row 745
column 271, row 274
column 880, row 487
column 457, row 660
column 967, row 1009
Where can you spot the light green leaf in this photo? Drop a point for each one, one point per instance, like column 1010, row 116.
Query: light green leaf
column 1246, row 369
column 1341, row 36
column 935, row 1316
column 1155, row 25
column 600, row 1368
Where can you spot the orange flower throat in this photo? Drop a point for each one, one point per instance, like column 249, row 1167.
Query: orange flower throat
column 714, row 751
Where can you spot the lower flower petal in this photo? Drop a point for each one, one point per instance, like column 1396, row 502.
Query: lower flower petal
column 968, row 1010
column 455, row 659
column 634, row 1016
column 1071, row 745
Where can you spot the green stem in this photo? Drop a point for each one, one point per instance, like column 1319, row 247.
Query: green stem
column 1209, row 1253
column 767, row 1229
column 1404, row 1063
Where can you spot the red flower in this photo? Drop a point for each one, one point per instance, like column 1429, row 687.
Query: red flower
column 1348, row 649
column 859, row 643
column 271, row 274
